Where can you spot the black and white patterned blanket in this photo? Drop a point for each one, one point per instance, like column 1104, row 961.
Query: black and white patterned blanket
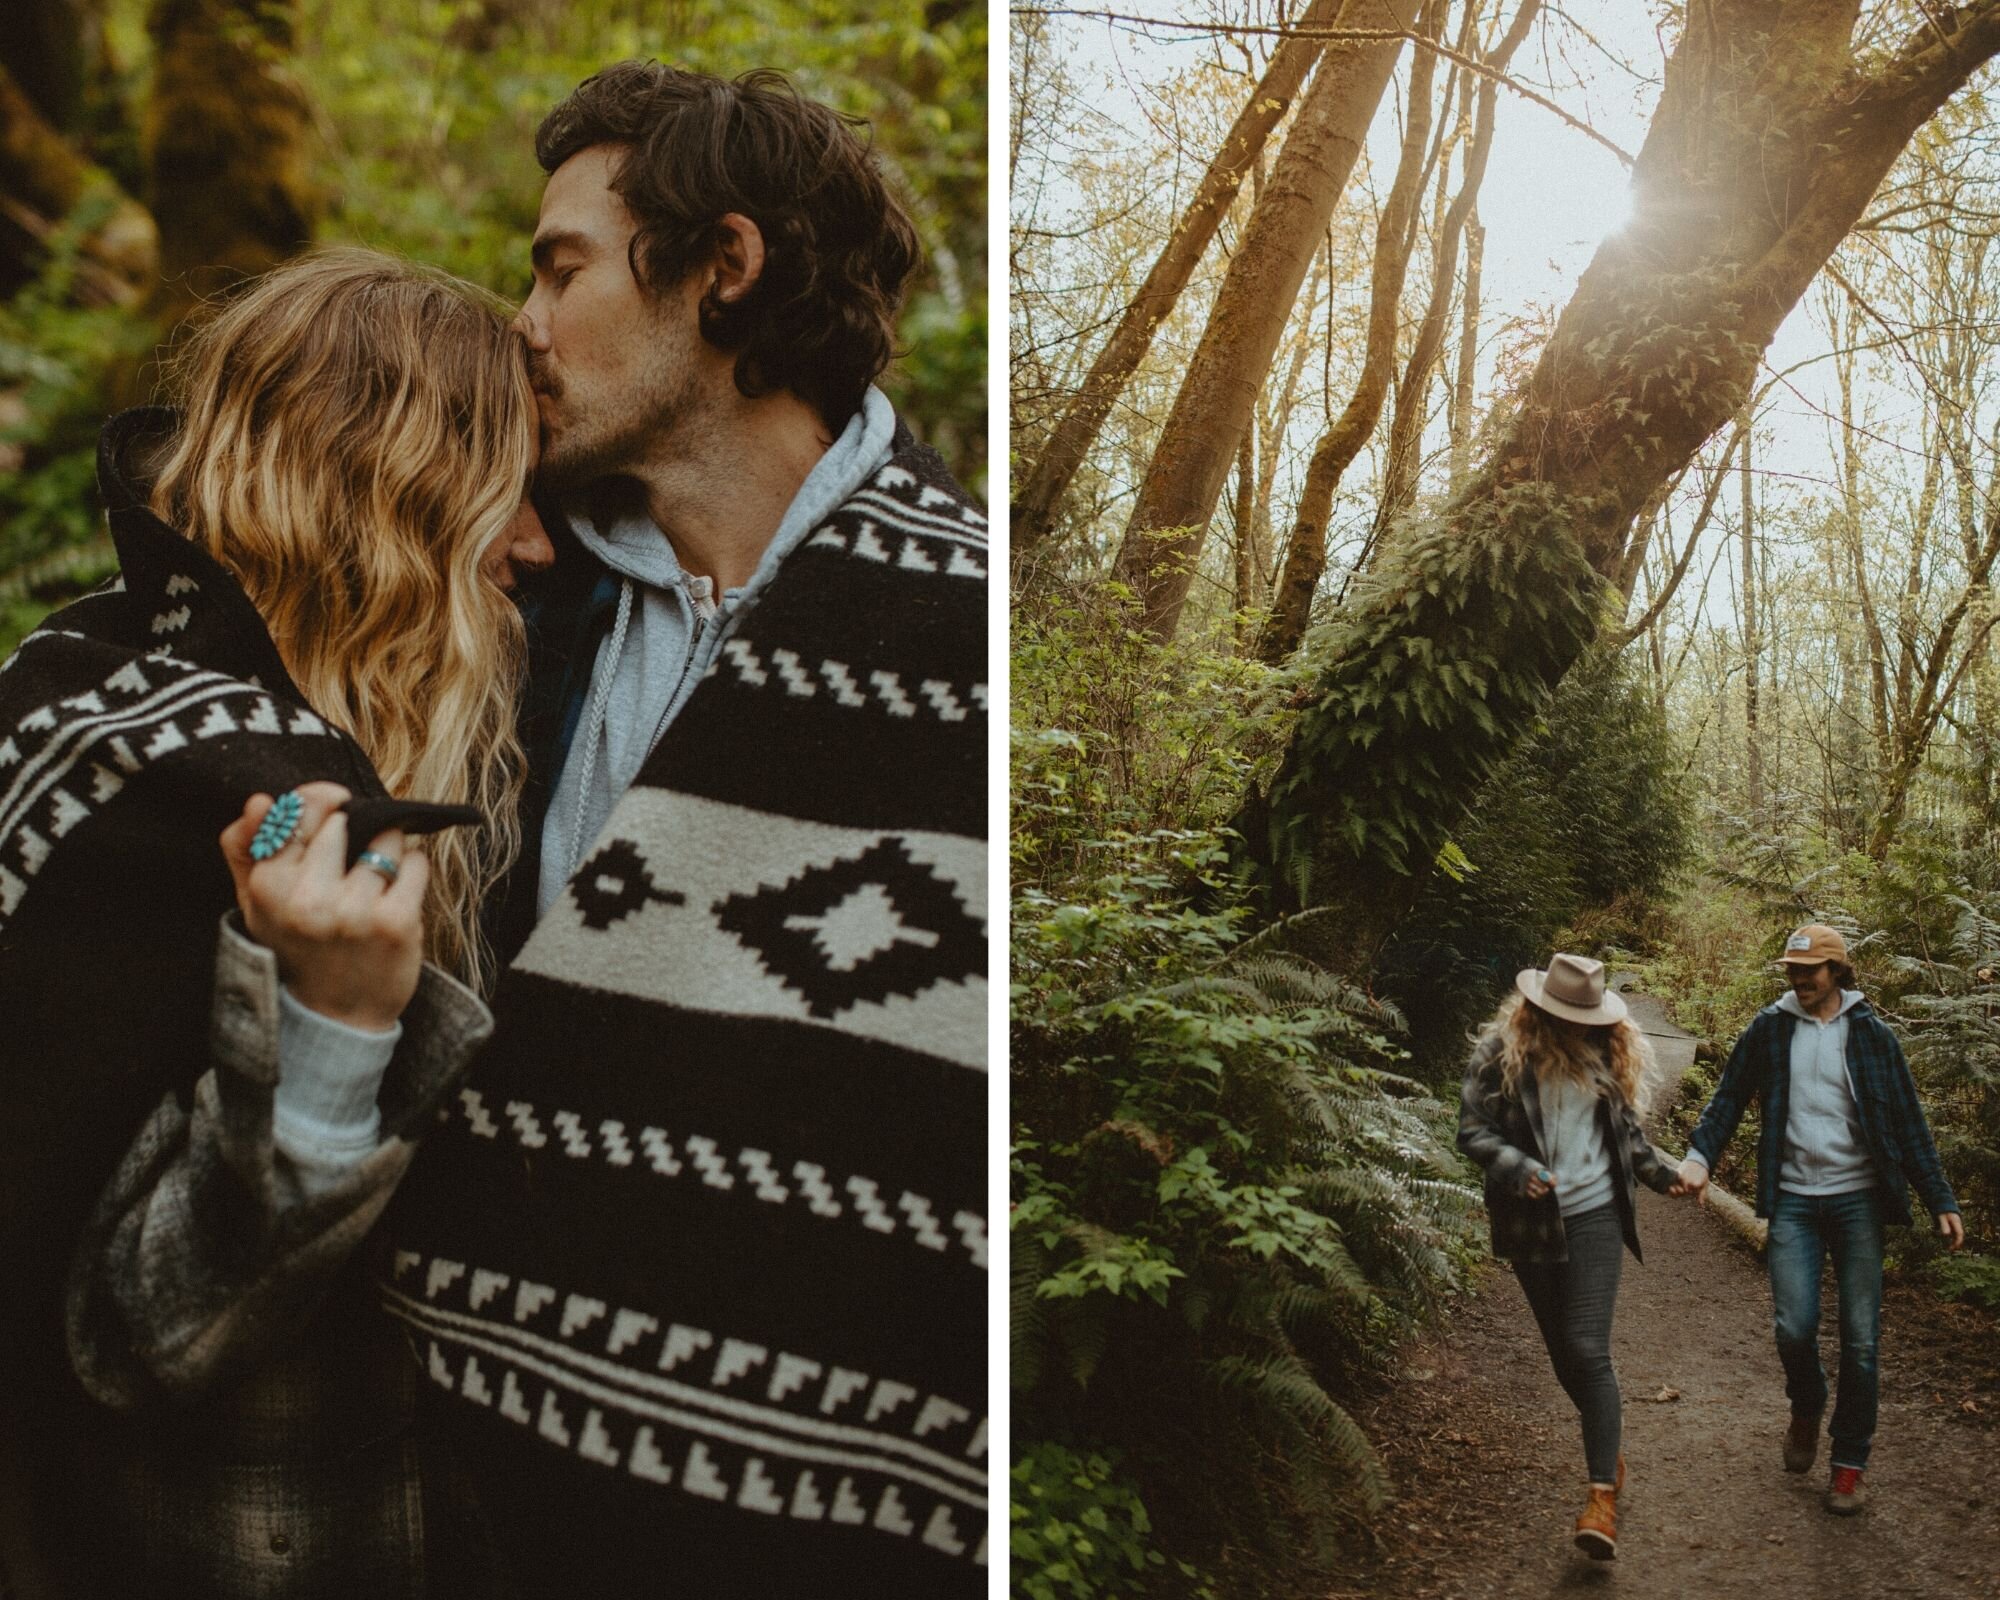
column 697, row 1264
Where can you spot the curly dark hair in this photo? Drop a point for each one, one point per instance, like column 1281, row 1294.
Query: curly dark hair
column 821, row 318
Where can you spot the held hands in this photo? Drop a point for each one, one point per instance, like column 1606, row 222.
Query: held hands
column 349, row 943
column 1693, row 1179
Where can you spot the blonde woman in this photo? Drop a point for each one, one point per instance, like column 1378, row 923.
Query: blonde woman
column 222, row 1059
column 1551, row 1106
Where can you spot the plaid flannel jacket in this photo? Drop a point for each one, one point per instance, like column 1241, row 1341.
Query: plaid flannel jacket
column 1892, row 1119
column 256, row 1428
column 1504, row 1135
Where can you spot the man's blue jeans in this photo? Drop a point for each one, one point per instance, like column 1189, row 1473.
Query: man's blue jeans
column 1805, row 1229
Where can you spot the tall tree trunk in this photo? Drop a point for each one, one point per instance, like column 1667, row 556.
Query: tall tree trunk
column 1753, row 751
column 1774, row 134
column 227, row 144
column 1870, row 660
column 1267, row 466
column 1305, row 551
column 1406, row 426
column 1468, row 356
column 43, row 44
column 1032, row 515
column 1163, row 541
column 1245, row 510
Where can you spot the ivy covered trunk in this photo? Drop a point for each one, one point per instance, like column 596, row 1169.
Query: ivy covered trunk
column 227, row 141
column 1772, row 133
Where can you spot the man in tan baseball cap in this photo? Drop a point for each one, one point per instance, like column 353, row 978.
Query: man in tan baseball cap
column 1843, row 1140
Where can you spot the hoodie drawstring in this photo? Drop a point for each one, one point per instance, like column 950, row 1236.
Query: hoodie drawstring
column 594, row 725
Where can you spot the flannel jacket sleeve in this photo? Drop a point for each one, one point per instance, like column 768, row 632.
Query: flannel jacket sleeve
column 193, row 1267
column 1648, row 1165
column 1913, row 1131
column 1726, row 1106
column 1480, row 1134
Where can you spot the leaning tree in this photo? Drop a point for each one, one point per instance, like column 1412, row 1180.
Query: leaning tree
column 1777, row 121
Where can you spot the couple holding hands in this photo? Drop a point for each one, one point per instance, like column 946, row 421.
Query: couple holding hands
column 1551, row 1108
column 647, row 578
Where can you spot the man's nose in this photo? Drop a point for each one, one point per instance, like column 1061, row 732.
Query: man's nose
column 528, row 325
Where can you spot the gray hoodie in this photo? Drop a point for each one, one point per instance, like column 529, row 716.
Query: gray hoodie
column 668, row 629
column 1824, row 1150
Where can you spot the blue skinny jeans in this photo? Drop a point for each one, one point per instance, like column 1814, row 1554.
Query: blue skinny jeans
column 1805, row 1230
column 1573, row 1301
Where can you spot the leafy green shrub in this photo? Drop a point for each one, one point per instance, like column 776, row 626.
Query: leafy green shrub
column 60, row 347
column 1226, row 1202
column 1115, row 734
column 1968, row 1276
column 1079, row 1530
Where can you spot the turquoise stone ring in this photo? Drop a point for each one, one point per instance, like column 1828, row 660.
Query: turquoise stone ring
column 278, row 826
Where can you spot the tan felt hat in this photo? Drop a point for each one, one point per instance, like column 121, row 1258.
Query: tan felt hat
column 1812, row 944
column 1573, row 988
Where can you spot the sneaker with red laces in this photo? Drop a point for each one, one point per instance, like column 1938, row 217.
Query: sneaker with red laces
column 1846, row 1494
column 1801, row 1443
column 1597, row 1528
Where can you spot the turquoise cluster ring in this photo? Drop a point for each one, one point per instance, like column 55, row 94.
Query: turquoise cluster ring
column 278, row 826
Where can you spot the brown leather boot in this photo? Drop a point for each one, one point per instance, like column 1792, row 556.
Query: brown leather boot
column 1801, row 1443
column 1597, row 1528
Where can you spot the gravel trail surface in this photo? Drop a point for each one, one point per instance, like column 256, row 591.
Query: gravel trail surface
column 1488, row 1462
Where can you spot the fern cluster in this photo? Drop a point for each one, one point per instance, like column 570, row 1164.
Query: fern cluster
column 1227, row 1203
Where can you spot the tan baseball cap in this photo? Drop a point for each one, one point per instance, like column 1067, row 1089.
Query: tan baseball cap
column 1812, row 944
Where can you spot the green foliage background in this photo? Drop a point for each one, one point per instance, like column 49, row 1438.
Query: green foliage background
column 426, row 118
column 1228, row 1197
column 1233, row 1179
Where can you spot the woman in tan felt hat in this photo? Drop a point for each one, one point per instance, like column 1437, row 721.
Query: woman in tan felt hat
column 1551, row 1106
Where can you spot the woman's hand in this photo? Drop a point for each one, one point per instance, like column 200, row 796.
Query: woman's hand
column 1541, row 1181
column 349, row 943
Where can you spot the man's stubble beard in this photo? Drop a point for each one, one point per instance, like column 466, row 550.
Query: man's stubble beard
column 621, row 434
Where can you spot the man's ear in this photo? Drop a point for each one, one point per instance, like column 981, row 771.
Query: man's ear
column 739, row 258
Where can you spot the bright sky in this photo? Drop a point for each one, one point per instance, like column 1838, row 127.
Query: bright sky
column 1551, row 192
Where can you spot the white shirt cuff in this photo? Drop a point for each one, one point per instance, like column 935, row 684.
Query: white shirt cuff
column 329, row 1074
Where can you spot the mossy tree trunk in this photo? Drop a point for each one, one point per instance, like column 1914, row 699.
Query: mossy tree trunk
column 45, row 179
column 1772, row 132
column 228, row 135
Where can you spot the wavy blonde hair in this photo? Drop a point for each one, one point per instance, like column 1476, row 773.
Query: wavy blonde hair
column 1578, row 1051
column 356, row 433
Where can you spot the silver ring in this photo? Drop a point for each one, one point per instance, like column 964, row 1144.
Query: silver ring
column 375, row 861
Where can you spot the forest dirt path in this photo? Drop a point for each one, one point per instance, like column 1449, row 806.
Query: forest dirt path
column 1487, row 1460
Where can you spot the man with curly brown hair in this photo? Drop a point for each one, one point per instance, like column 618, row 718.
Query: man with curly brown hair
column 697, row 1268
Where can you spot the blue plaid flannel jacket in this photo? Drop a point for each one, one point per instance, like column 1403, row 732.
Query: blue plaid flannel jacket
column 1892, row 1119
